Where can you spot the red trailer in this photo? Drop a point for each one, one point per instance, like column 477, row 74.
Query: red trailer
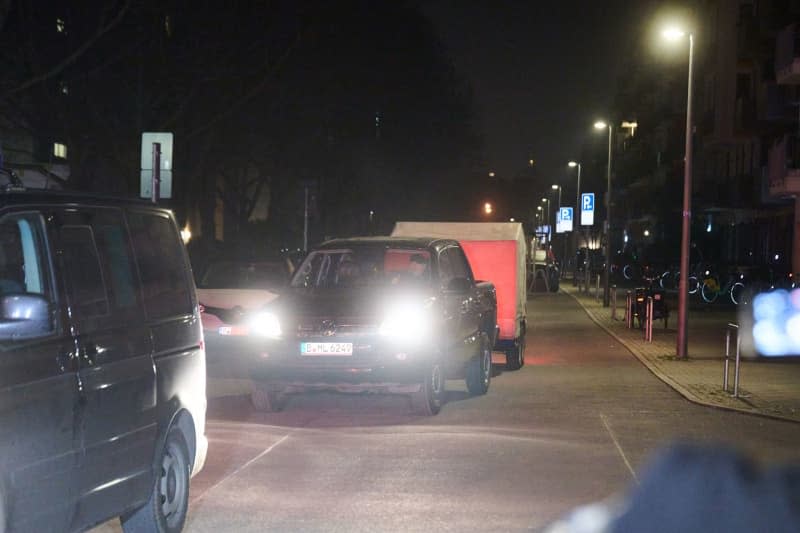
column 496, row 252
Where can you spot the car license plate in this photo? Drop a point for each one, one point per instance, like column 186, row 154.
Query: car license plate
column 326, row 348
column 232, row 330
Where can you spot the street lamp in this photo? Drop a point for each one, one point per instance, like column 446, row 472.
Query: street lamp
column 547, row 216
column 676, row 34
column 575, row 217
column 601, row 125
column 487, row 208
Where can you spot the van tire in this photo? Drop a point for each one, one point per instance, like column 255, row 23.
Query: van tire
column 429, row 399
column 479, row 371
column 167, row 507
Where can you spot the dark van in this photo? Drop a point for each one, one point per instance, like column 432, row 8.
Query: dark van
column 102, row 365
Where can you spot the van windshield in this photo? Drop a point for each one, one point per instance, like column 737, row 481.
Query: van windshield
column 364, row 267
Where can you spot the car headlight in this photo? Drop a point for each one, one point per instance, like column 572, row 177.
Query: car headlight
column 264, row 324
column 406, row 321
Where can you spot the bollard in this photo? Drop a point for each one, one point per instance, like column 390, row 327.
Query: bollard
column 629, row 310
column 648, row 320
column 613, row 302
column 597, row 288
column 726, row 368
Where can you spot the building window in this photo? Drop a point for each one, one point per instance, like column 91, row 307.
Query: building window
column 60, row 150
column 61, row 26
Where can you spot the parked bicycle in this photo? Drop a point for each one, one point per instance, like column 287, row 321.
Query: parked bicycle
column 734, row 288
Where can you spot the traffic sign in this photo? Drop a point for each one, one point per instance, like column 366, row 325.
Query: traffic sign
column 564, row 220
column 587, row 209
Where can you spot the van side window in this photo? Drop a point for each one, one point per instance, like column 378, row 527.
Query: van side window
column 99, row 266
column 159, row 255
column 26, row 293
column 459, row 263
column 87, row 283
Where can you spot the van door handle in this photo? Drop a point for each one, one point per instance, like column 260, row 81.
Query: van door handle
column 90, row 353
column 63, row 360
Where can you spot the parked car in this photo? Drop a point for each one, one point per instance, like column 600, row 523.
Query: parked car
column 229, row 289
column 102, row 368
column 398, row 315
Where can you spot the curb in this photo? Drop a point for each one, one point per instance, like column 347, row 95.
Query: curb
column 679, row 388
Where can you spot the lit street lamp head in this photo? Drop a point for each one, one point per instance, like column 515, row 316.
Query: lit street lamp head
column 600, row 125
column 555, row 187
column 572, row 164
column 673, row 34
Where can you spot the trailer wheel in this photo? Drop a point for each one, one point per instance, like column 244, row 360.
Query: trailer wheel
column 515, row 356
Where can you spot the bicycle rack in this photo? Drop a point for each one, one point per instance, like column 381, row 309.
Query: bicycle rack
column 730, row 328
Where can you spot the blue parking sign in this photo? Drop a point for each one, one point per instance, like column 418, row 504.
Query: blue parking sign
column 587, row 209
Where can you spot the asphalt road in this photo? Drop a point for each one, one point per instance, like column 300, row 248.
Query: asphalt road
column 577, row 424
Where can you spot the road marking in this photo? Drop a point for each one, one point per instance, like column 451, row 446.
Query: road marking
column 248, row 463
column 619, row 448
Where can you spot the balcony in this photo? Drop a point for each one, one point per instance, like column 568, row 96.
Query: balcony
column 784, row 167
column 787, row 56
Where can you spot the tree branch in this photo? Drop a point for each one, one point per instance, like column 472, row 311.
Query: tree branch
column 102, row 30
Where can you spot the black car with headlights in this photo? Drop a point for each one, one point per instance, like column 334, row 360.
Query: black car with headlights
column 102, row 366
column 381, row 314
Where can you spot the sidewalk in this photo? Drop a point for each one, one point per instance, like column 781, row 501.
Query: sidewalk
column 766, row 387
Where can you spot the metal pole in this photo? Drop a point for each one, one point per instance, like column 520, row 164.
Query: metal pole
column 683, row 293
column 156, row 185
column 629, row 310
column 648, row 320
column 736, row 368
column 613, row 302
column 305, row 221
column 608, row 220
column 727, row 359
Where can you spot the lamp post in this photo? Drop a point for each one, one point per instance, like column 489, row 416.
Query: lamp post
column 576, row 216
column 547, row 217
column 601, row 125
column 675, row 34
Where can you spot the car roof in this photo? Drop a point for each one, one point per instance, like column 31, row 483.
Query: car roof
column 399, row 242
column 15, row 196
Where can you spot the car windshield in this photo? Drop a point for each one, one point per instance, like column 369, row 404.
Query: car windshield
column 364, row 267
column 247, row 275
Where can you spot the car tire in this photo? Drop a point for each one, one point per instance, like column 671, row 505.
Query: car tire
column 266, row 400
column 515, row 357
column 166, row 509
column 479, row 371
column 429, row 399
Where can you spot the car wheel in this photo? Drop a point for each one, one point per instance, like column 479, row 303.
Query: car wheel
column 515, row 357
column 165, row 511
column 479, row 371
column 430, row 398
column 266, row 400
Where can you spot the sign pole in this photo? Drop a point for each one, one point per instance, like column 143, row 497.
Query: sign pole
column 156, row 171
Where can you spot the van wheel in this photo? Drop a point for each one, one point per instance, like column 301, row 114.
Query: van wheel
column 429, row 399
column 165, row 511
column 479, row 371
column 268, row 401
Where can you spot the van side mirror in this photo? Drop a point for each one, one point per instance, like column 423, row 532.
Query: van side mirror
column 459, row 285
column 24, row 315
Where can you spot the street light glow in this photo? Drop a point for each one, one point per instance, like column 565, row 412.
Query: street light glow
column 673, row 34
column 554, row 187
column 491, row 174
column 572, row 164
column 600, row 125
column 487, row 208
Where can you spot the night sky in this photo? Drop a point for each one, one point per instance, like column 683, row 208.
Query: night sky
column 542, row 72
